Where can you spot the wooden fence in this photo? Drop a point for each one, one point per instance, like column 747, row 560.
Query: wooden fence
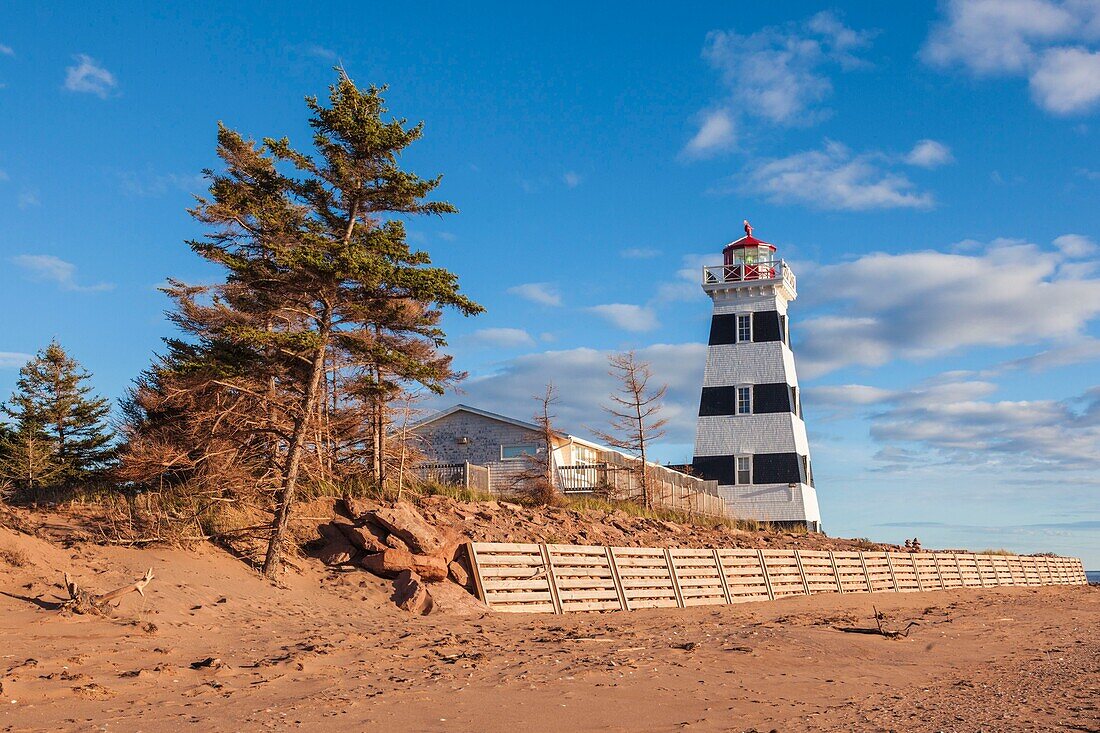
column 531, row 578
column 467, row 475
column 617, row 478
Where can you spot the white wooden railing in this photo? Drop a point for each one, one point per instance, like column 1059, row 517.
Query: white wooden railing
column 748, row 272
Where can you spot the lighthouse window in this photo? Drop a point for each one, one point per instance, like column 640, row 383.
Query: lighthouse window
column 744, row 400
column 744, row 470
column 744, row 328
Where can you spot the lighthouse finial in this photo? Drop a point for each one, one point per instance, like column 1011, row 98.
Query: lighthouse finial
column 748, row 228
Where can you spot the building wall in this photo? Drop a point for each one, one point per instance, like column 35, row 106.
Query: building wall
column 771, row 502
column 768, row 361
column 440, row 444
column 776, row 439
column 727, row 435
column 741, row 302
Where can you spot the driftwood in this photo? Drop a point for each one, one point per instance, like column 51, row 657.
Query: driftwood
column 880, row 630
column 81, row 601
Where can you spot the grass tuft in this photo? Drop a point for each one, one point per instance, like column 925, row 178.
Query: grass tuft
column 14, row 557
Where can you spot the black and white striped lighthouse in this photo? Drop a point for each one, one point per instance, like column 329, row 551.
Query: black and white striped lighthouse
column 750, row 435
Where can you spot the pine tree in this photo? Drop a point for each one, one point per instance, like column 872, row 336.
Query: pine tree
column 322, row 292
column 28, row 459
column 55, row 414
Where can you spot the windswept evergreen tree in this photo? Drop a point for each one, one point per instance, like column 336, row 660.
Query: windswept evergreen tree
column 28, row 459
column 60, row 428
column 322, row 297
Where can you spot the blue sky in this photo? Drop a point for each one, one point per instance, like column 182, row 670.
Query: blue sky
column 932, row 172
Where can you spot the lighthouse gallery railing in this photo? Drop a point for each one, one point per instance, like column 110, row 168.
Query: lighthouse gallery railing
column 749, row 271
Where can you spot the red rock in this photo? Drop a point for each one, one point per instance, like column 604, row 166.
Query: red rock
column 396, row 542
column 391, row 563
column 330, row 532
column 336, row 551
column 410, row 594
column 355, row 507
column 367, row 538
column 404, row 521
column 452, row 600
column 458, row 574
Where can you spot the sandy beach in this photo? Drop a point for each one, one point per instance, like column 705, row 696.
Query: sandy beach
column 215, row 647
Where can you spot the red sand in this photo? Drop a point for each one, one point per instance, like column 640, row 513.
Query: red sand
column 330, row 651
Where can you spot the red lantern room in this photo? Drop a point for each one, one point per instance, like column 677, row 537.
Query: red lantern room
column 754, row 259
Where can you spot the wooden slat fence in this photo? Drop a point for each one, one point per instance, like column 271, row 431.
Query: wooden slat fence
column 617, row 478
column 531, row 578
column 466, row 474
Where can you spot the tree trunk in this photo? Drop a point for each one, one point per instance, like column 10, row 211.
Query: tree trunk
column 646, row 501
column 381, row 413
column 274, row 559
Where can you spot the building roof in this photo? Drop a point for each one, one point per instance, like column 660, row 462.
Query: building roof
column 505, row 419
column 518, row 423
column 473, row 410
column 748, row 241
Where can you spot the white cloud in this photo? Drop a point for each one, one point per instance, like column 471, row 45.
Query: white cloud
column 88, row 76
column 502, row 337
column 541, row 293
column 1040, row 39
column 953, row 421
column 640, row 253
column 4, row 176
column 626, row 316
column 834, row 178
column 929, row 154
column 572, row 179
column 47, row 268
column 995, row 36
column 686, row 286
column 1067, row 80
column 321, row 52
column 28, row 198
column 777, row 73
column 1075, row 245
column 13, row 359
column 716, row 133
column 1076, row 351
column 581, row 376
column 153, row 184
column 6, row 50
column 848, row 394
column 884, row 307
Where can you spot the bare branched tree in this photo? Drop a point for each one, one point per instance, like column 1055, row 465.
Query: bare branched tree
column 633, row 414
column 537, row 479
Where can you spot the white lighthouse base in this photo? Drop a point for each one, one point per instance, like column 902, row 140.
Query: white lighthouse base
column 782, row 504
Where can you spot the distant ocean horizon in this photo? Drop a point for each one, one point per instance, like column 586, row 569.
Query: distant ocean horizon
column 1093, row 576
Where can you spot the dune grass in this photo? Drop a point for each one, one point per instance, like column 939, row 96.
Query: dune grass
column 14, row 557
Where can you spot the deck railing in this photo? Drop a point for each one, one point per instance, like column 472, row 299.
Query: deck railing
column 748, row 272
column 618, row 479
column 468, row 475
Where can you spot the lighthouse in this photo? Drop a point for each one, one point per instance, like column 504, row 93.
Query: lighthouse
column 750, row 436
